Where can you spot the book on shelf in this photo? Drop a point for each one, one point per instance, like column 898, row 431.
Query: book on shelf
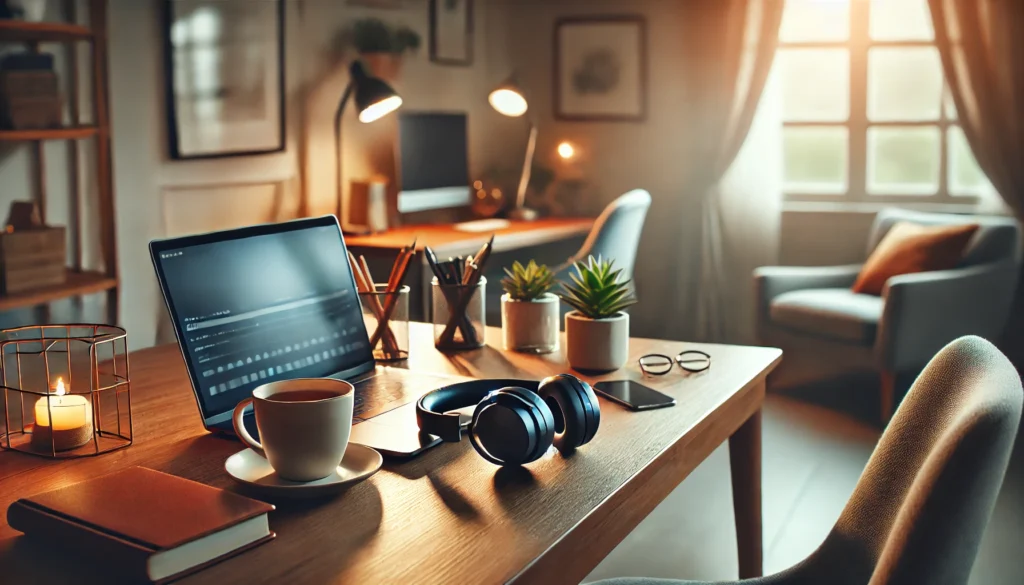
column 146, row 524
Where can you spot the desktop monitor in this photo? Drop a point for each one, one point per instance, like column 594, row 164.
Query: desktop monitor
column 433, row 167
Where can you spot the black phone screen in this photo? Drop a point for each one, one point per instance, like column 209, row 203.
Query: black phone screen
column 633, row 394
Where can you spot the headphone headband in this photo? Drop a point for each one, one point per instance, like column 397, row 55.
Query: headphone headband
column 432, row 406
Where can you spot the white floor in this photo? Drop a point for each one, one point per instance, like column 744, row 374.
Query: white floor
column 812, row 458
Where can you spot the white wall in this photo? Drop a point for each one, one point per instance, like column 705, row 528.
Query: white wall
column 157, row 197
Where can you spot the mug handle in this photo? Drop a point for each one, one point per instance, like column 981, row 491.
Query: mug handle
column 240, row 430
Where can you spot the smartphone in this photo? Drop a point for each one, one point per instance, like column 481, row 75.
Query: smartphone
column 633, row 395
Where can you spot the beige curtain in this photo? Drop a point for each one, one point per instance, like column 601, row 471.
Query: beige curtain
column 730, row 45
column 982, row 47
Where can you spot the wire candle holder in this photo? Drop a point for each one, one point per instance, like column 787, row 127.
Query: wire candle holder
column 66, row 390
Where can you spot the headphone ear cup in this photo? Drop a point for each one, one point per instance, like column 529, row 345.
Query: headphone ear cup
column 575, row 409
column 512, row 426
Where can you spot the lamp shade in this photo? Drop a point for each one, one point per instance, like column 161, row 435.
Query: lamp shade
column 374, row 98
column 508, row 99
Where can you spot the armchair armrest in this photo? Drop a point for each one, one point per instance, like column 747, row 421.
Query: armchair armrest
column 925, row 311
column 772, row 281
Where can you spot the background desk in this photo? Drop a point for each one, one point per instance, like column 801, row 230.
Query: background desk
column 550, row 241
column 447, row 516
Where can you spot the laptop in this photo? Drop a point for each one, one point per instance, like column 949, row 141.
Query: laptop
column 279, row 301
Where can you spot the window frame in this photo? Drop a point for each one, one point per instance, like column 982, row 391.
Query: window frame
column 859, row 45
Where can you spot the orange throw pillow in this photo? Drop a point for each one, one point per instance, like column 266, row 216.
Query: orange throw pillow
column 910, row 247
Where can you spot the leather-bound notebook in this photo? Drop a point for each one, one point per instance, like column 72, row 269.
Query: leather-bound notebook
column 149, row 524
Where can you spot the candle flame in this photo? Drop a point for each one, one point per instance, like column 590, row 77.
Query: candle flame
column 59, row 389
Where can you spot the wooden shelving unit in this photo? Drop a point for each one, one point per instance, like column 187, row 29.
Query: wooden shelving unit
column 70, row 34
column 21, row 31
column 71, row 133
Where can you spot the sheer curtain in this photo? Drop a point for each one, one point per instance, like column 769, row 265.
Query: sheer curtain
column 982, row 49
column 733, row 44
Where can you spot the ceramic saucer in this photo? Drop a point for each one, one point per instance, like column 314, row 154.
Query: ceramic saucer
column 253, row 471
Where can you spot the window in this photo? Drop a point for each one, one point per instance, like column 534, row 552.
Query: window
column 866, row 117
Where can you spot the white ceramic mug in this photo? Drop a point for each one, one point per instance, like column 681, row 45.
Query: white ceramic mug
column 304, row 425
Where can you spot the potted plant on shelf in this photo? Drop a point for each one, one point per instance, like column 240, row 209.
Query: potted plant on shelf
column 381, row 45
column 529, row 313
column 597, row 331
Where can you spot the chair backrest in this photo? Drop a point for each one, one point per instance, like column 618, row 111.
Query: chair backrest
column 998, row 238
column 919, row 510
column 616, row 233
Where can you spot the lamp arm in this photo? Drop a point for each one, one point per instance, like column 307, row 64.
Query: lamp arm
column 524, row 179
column 337, row 145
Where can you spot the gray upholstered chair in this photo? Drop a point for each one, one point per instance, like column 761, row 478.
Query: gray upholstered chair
column 616, row 232
column 826, row 329
column 919, row 510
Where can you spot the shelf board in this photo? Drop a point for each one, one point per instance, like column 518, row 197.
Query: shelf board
column 20, row 30
column 70, row 133
column 78, row 283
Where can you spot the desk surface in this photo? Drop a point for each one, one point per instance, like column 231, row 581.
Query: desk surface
column 447, row 516
column 448, row 241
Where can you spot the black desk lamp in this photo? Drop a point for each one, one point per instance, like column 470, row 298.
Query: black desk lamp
column 509, row 99
column 374, row 100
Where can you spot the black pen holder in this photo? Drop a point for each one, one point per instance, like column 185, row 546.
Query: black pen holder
column 459, row 315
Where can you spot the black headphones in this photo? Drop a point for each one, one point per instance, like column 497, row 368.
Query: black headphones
column 515, row 421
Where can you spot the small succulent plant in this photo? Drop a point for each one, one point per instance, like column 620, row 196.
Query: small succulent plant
column 596, row 291
column 527, row 283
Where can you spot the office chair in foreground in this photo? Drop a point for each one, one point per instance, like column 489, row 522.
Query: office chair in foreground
column 921, row 506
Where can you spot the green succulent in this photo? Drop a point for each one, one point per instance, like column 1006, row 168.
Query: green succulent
column 596, row 291
column 372, row 35
column 527, row 283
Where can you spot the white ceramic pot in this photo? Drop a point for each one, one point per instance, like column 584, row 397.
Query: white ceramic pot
column 530, row 326
column 598, row 345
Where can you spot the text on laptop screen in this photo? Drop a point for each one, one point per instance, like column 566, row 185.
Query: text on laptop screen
column 263, row 308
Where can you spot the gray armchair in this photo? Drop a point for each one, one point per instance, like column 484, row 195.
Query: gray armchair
column 826, row 329
column 926, row 495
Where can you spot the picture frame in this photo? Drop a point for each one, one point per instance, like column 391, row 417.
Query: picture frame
column 224, row 72
column 600, row 69
column 451, row 32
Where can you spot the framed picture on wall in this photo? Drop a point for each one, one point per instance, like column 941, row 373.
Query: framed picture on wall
column 600, row 70
column 224, row 75
column 451, row 32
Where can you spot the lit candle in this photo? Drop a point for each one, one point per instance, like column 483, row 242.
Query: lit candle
column 65, row 419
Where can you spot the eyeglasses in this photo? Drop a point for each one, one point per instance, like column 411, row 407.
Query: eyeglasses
column 691, row 360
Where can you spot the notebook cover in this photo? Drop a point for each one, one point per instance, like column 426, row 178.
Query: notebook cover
column 148, row 508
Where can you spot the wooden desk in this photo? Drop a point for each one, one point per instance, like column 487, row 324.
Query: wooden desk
column 549, row 240
column 447, row 516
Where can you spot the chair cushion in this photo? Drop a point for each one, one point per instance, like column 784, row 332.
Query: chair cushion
column 834, row 313
column 911, row 247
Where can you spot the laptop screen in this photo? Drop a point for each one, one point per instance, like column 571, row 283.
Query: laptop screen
column 261, row 304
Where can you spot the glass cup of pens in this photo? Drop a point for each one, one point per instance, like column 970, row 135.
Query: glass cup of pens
column 458, row 314
column 391, row 336
column 385, row 305
column 458, row 292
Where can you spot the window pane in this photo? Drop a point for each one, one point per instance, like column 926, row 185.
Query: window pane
column 816, row 84
column 815, row 159
column 901, row 20
column 903, row 160
column 815, row 20
column 904, row 84
column 948, row 104
column 965, row 176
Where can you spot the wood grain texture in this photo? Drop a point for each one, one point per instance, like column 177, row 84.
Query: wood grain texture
column 445, row 240
column 745, row 467
column 447, row 516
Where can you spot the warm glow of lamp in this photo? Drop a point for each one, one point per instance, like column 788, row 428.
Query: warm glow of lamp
column 509, row 99
column 566, row 150
column 378, row 110
column 508, row 102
